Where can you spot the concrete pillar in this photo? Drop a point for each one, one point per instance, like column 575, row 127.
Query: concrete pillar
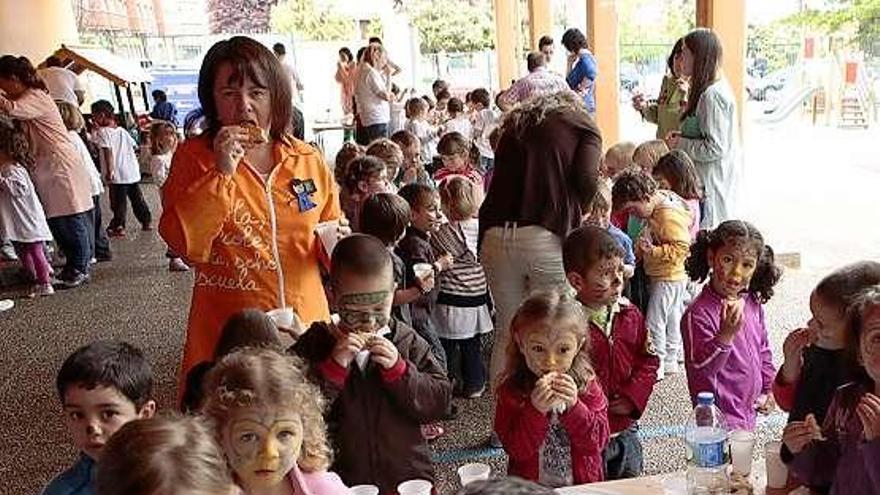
column 36, row 28
column 540, row 21
column 603, row 40
column 506, row 34
column 728, row 19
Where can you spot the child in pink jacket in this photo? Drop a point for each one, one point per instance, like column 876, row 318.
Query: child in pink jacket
column 724, row 333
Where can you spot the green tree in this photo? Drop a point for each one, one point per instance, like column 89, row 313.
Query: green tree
column 857, row 20
column 641, row 41
column 307, row 22
column 453, row 25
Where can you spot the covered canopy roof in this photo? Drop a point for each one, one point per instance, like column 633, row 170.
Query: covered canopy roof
column 118, row 70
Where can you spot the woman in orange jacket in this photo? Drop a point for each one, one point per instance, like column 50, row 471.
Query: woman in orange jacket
column 242, row 202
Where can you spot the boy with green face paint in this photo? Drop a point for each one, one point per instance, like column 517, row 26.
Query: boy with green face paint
column 399, row 386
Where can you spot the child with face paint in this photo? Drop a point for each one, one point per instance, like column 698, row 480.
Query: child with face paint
column 816, row 356
column 380, row 378
column 551, row 414
column 724, row 332
column 268, row 419
column 620, row 348
column 171, row 456
column 844, row 453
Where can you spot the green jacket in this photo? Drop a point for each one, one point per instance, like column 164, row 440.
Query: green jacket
column 666, row 113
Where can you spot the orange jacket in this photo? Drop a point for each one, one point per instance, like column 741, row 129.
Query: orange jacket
column 236, row 230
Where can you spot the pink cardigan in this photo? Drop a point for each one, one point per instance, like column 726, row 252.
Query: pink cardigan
column 319, row 483
column 59, row 176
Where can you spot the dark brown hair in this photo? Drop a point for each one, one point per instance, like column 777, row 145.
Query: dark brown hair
column 864, row 301
column 405, row 139
column 163, row 455
column 631, row 185
column 362, row 255
column 767, row 272
column 706, row 48
column 248, row 59
column 670, row 60
column 362, row 168
column 544, row 41
column 574, row 40
column 417, row 195
column 678, row 169
column 388, row 151
column 14, row 143
column 453, row 143
column 21, row 70
column 384, row 216
column 535, row 60
column 839, row 287
column 454, row 106
column 344, row 156
column 481, row 96
column 587, row 245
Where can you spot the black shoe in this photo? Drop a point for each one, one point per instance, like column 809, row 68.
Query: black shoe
column 73, row 280
column 494, row 442
column 104, row 257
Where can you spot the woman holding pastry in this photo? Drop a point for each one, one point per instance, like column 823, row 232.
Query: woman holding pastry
column 243, row 200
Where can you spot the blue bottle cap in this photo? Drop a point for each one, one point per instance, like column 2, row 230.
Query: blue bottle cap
column 705, row 398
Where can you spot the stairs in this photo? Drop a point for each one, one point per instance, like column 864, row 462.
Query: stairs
column 853, row 113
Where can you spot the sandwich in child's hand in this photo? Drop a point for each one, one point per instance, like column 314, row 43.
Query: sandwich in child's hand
column 256, row 135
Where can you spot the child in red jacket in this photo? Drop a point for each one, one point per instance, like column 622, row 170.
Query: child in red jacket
column 551, row 414
column 620, row 348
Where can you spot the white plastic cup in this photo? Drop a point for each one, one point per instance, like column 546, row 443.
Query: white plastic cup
column 283, row 317
column 777, row 471
column 742, row 444
column 328, row 232
column 423, row 270
column 474, row 471
column 364, row 490
column 415, row 487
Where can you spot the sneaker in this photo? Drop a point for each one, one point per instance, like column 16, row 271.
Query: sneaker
column 177, row 265
column 73, row 281
column 41, row 290
column 432, row 431
column 116, row 232
column 93, row 261
column 7, row 252
column 102, row 257
column 661, row 373
column 476, row 394
column 494, row 442
column 671, row 368
column 6, row 305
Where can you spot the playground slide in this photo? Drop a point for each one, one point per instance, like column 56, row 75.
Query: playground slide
column 788, row 105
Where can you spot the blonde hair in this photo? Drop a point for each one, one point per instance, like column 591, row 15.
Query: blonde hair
column 170, row 455
column 71, row 116
column 601, row 203
column 254, row 378
column 647, row 154
column 461, row 197
column 541, row 312
column 620, row 156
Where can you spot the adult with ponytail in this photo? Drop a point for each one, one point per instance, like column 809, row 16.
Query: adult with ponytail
column 723, row 329
column 60, row 178
column 709, row 128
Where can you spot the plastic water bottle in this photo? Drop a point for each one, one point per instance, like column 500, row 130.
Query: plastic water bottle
column 708, row 454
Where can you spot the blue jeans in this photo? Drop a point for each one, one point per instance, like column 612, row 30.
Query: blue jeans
column 73, row 234
column 370, row 133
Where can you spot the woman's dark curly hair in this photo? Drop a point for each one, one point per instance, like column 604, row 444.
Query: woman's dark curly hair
column 14, row 143
column 767, row 272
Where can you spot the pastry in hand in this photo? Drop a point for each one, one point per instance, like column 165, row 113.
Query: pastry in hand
column 256, row 134
column 811, row 422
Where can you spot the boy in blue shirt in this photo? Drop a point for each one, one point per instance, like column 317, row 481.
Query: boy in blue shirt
column 102, row 386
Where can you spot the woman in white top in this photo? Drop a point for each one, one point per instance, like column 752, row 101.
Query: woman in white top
column 372, row 94
column 709, row 126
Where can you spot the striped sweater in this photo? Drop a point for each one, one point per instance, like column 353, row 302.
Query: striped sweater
column 464, row 284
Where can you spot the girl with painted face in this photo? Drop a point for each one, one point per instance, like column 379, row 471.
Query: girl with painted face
column 844, row 452
column 551, row 414
column 723, row 329
column 268, row 420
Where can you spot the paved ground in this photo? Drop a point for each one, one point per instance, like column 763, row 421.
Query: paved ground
column 815, row 197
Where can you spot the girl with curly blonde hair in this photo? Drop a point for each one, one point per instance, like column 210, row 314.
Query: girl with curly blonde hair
column 269, row 421
column 551, row 414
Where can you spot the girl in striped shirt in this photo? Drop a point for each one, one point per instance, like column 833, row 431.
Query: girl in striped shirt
column 461, row 315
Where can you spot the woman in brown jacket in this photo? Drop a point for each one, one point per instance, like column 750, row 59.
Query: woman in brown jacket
column 546, row 170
